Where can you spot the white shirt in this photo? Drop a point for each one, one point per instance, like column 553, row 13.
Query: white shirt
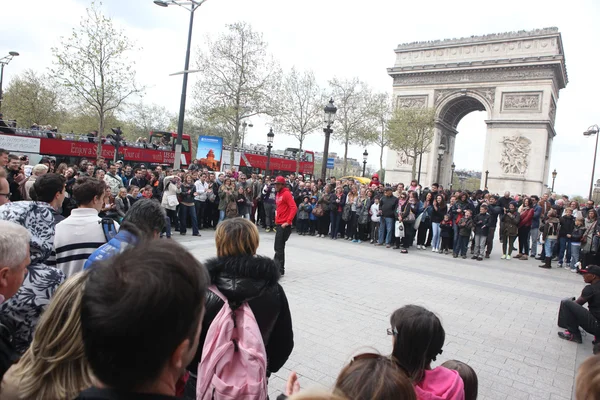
column 201, row 189
column 76, row 238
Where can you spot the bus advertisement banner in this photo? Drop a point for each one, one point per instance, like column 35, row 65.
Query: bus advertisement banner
column 210, row 152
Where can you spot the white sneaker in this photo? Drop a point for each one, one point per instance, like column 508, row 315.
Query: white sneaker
column 503, row 257
column 434, row 250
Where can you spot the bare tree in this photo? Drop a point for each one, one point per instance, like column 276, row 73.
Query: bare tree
column 357, row 124
column 145, row 118
column 300, row 107
column 238, row 79
column 92, row 65
column 382, row 111
column 411, row 132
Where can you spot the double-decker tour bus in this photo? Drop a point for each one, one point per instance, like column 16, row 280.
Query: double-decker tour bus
column 254, row 161
column 158, row 149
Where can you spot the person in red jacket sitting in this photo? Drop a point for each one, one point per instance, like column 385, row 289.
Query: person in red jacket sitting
column 285, row 212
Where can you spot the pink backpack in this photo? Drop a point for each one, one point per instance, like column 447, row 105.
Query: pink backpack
column 234, row 359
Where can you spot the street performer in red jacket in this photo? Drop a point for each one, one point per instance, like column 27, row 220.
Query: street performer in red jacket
column 285, row 212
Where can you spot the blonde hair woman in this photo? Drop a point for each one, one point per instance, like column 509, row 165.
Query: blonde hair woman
column 54, row 367
column 244, row 277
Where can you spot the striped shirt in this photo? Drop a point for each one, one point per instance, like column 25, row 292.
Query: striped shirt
column 76, row 238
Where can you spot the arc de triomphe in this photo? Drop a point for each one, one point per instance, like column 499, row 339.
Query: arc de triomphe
column 514, row 77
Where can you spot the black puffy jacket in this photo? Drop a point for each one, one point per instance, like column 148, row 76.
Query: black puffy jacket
column 252, row 279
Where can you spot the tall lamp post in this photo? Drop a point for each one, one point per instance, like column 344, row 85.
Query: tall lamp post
column 554, row 173
column 593, row 130
column 270, row 137
column 4, row 61
column 486, row 179
column 441, row 151
column 330, row 111
column 452, row 168
column 244, row 126
column 191, row 6
column 365, row 156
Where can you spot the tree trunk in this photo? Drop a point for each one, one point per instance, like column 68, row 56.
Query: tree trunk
column 414, row 168
column 298, row 156
column 100, row 134
column 345, row 158
column 381, row 160
column 234, row 139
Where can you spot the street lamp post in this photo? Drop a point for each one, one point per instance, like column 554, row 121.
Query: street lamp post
column 4, row 61
column 593, row 130
column 365, row 156
column 330, row 111
column 244, row 126
column 270, row 137
column 191, row 6
column 554, row 178
column 441, row 151
column 452, row 168
column 486, row 179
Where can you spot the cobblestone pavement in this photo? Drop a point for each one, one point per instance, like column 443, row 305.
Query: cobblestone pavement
column 499, row 316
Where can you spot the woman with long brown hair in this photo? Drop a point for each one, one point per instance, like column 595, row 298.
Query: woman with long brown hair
column 54, row 366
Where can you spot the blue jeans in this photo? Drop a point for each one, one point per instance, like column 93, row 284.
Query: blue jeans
column 183, row 210
column 221, row 215
column 533, row 238
column 549, row 246
column 435, row 228
column 462, row 244
column 455, row 248
column 564, row 244
column 335, row 218
column 575, row 249
column 385, row 229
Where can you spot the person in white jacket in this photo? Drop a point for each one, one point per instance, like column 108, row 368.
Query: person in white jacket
column 200, row 197
column 79, row 235
column 375, row 218
column 172, row 185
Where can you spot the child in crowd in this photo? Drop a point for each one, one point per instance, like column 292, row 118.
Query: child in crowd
column 482, row 229
column 565, row 231
column 312, row 218
column 465, row 226
column 147, row 192
column 446, row 233
column 304, row 212
column 375, row 218
column 576, row 236
column 418, row 338
column 468, row 376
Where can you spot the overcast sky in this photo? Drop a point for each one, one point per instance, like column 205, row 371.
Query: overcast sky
column 337, row 38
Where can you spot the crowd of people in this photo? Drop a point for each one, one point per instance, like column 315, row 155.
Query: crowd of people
column 93, row 305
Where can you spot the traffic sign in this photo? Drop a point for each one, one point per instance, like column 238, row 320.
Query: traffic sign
column 330, row 163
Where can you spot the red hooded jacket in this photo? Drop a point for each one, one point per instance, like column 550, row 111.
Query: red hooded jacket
column 286, row 207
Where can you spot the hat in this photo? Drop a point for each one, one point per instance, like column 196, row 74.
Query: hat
column 591, row 269
column 280, row 179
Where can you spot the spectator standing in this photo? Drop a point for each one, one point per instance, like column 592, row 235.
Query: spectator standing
column 243, row 277
column 526, row 212
column 79, row 235
column 510, row 229
column 187, row 206
column 113, row 181
column 4, row 188
column 201, row 192
column 439, row 209
column 567, row 225
column 14, row 259
column 145, row 314
column 172, row 187
column 550, row 237
column 144, row 221
column 387, row 208
column 54, row 366
column 122, row 203
column 36, row 172
column 324, row 201
column 268, row 196
column 576, row 236
column 21, row 312
column 15, row 177
column 3, row 158
column 534, row 233
column 482, row 229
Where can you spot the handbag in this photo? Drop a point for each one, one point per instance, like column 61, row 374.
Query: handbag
column 399, row 231
column 318, row 211
column 172, row 200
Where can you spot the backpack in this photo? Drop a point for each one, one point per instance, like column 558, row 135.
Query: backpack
column 108, row 226
column 234, row 359
column 232, row 210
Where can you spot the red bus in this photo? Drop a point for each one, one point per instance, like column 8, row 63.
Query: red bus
column 255, row 161
column 70, row 148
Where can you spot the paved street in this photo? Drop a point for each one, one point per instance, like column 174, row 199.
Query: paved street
column 499, row 316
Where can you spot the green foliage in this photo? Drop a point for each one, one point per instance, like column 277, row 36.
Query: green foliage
column 382, row 112
column 411, row 132
column 31, row 98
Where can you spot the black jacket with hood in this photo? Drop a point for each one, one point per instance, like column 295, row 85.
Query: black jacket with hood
column 252, row 279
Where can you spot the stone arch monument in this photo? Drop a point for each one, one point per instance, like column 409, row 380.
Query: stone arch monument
column 514, row 77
